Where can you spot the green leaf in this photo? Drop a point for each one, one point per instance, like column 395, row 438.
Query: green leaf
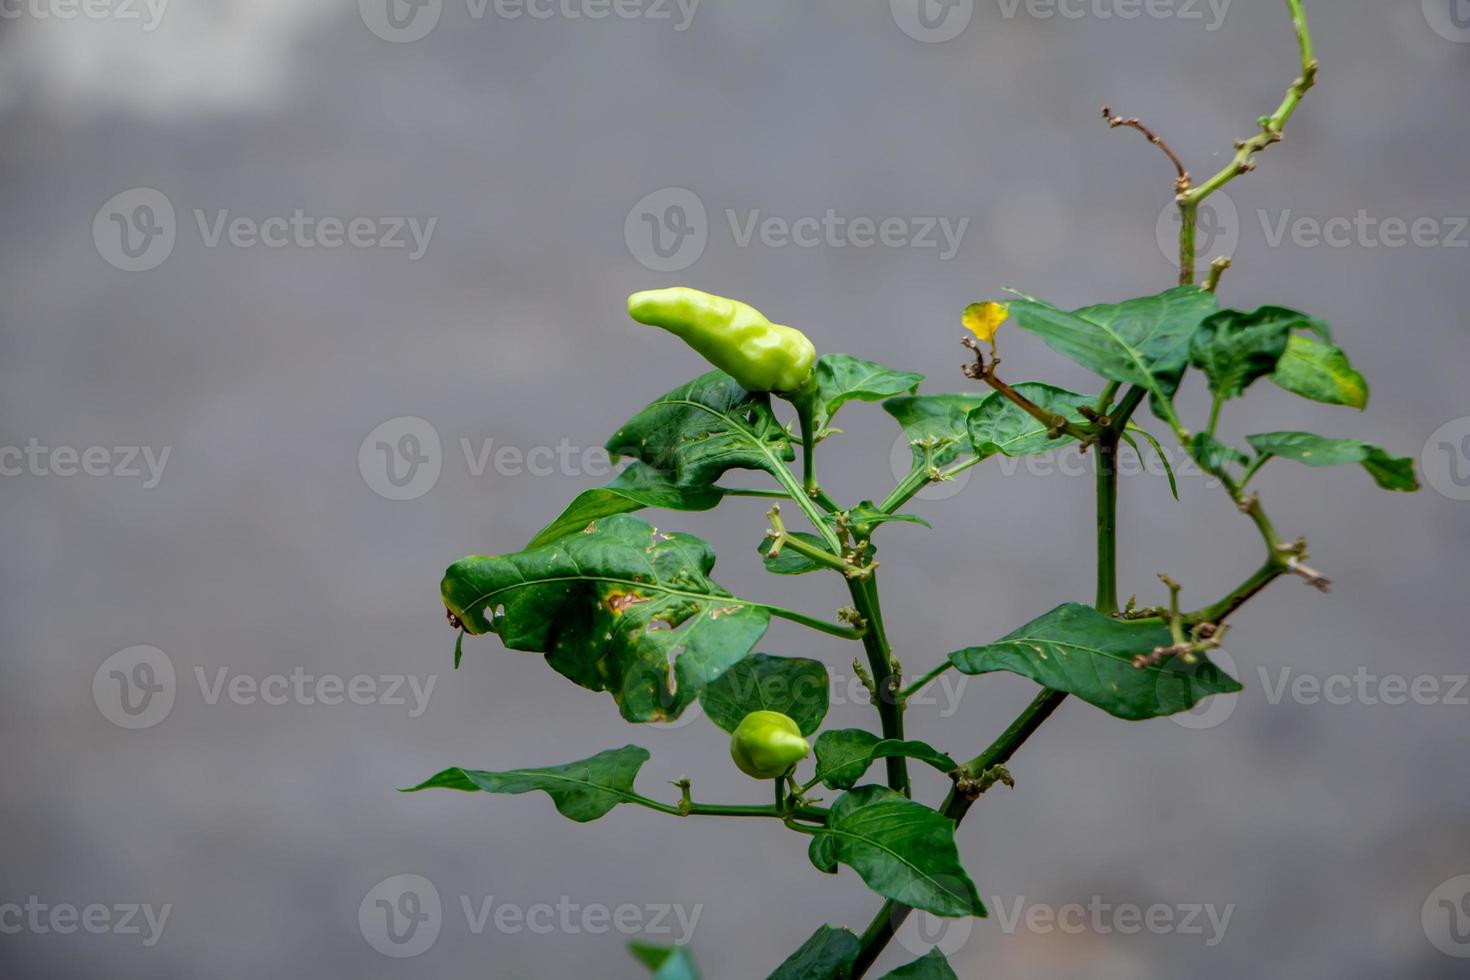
column 842, row 378
column 1234, row 349
column 698, row 431
column 638, row 486
column 902, row 850
column 844, row 755
column 795, row 687
column 1317, row 370
column 938, row 419
column 1143, row 341
column 1390, row 472
column 931, row 966
column 790, row 561
column 866, row 516
column 1213, row 454
column 1076, row 649
column 1158, row 451
column 617, row 608
column 828, row 955
column 582, row 791
column 666, row 962
column 999, row 425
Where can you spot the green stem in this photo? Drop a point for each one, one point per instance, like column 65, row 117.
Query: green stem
column 1107, row 523
column 864, row 592
column 1215, row 406
column 820, row 625
column 1188, row 226
column 919, row 684
column 1253, row 468
column 744, row 492
column 917, row 480
column 814, row 813
column 891, row 916
column 1271, row 570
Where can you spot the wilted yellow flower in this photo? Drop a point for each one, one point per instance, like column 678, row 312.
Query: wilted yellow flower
column 984, row 319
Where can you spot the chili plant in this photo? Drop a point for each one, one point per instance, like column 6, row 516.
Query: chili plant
column 616, row 606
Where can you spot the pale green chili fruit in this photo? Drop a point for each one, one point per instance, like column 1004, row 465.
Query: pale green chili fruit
column 733, row 336
column 767, row 744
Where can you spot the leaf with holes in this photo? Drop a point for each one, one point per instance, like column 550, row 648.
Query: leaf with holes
column 999, row 425
column 793, row 686
column 581, row 791
column 901, row 849
column 842, row 378
column 1389, row 472
column 1143, row 341
column 617, row 608
column 940, row 421
column 844, row 755
column 828, row 955
column 1075, row 648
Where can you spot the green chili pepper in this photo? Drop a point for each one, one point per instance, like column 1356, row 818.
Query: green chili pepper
column 767, row 744
column 733, row 336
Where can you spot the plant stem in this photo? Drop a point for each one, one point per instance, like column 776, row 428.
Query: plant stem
column 864, row 592
column 817, row 814
column 919, row 478
column 919, row 684
column 820, row 625
column 956, row 805
column 1107, row 523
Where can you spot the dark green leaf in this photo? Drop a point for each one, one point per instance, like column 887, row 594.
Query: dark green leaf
column 842, row 378
column 795, row 687
column 940, row 420
column 1076, row 649
column 1233, row 348
column 1390, row 472
column 827, row 955
column 844, row 755
column 866, row 516
column 1001, row 426
column 700, row 430
column 1317, row 370
column 666, row 962
column 617, row 608
column 931, row 966
column 1143, row 341
column 1214, row 455
column 638, row 486
column 903, row 850
column 790, row 561
column 582, row 791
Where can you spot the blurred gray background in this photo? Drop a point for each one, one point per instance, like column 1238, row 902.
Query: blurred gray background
column 269, row 544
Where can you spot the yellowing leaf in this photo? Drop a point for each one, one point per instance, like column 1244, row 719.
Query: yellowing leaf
column 984, row 319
